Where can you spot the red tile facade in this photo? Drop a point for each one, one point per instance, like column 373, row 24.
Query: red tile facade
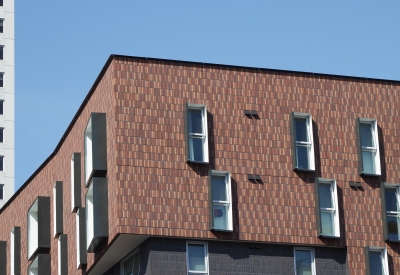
column 154, row 191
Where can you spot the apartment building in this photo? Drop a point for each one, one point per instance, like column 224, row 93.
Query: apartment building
column 173, row 167
column 6, row 100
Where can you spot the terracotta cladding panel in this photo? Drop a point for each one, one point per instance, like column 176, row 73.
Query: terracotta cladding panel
column 58, row 168
column 170, row 197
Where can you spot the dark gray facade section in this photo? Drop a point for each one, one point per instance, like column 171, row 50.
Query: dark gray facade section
column 17, row 249
column 3, row 258
column 162, row 256
column 98, row 124
column 42, row 263
column 76, row 181
column 43, row 233
column 58, row 208
column 100, row 212
column 63, row 243
column 81, row 212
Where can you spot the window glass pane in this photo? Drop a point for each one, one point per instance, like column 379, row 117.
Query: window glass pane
column 218, row 188
column 196, row 257
column 391, row 199
column 368, row 162
column 302, row 157
column 1, row 192
column 327, row 223
column 136, row 266
column 1, row 107
column 197, row 147
column 303, row 262
column 366, row 135
column 128, row 267
column 301, row 129
column 375, row 263
column 392, row 226
column 325, row 196
column 220, row 217
column 196, row 121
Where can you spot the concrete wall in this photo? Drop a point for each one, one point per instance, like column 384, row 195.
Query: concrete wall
column 7, row 120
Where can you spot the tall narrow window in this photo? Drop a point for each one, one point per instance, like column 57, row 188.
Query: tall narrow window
column 95, row 147
column 390, row 201
column 1, row 52
column 1, row 135
column 58, row 208
column 368, row 147
column 39, row 227
column 197, row 258
column 304, row 261
column 1, row 163
column 327, row 207
column 1, row 106
column 1, row 80
column 1, row 3
column 15, row 251
column 221, row 200
column 1, row 26
column 376, row 261
column 303, row 145
column 197, row 133
column 131, row 264
column 1, row 191
column 96, row 213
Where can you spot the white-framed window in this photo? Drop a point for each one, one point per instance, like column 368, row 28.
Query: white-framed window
column 33, row 228
column 369, row 146
column 196, row 257
column 221, row 198
column 303, row 142
column 376, row 261
column 328, row 207
column 304, row 261
column 130, row 265
column 197, row 133
column 391, row 210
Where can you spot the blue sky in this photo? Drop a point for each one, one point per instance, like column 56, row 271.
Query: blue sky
column 61, row 47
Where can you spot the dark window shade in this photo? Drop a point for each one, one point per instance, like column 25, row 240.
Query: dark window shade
column 1, row 107
column 1, row 80
column 1, row 3
column 1, row 52
column 1, row 135
column 1, row 163
column 1, row 192
column 1, row 26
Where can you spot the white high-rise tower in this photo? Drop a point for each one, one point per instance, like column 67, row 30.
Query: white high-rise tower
column 6, row 100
